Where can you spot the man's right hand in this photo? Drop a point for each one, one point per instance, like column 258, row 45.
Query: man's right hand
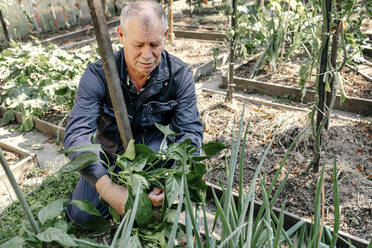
column 114, row 194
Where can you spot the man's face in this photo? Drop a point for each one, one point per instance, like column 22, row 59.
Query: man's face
column 142, row 45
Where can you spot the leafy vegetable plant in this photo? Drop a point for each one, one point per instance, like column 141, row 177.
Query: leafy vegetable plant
column 36, row 77
column 177, row 169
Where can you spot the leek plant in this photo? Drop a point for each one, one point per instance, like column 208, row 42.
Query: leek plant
column 245, row 226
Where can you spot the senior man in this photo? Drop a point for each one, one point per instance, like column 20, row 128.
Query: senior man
column 157, row 88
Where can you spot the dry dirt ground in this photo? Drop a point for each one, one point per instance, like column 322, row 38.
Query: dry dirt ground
column 348, row 141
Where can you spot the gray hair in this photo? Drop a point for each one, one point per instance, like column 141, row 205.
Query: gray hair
column 132, row 8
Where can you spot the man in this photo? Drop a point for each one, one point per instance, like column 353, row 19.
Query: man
column 157, row 88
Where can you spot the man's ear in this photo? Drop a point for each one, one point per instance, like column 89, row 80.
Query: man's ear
column 166, row 33
column 120, row 34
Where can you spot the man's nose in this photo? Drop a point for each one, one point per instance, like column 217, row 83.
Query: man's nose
column 147, row 52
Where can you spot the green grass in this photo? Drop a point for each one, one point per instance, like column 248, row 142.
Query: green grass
column 53, row 187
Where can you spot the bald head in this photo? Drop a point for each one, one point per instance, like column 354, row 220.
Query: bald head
column 148, row 12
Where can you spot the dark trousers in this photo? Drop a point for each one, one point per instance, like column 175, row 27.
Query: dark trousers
column 85, row 191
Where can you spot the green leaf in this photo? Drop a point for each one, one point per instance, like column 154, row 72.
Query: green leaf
column 27, row 124
column 139, row 181
column 60, row 100
column 55, row 234
column 8, row 117
column 130, row 152
column 170, row 215
column 165, row 130
column 212, row 148
column 80, row 162
column 86, row 206
column 61, row 224
column 85, row 148
column 116, row 216
column 139, row 163
column 144, row 210
column 27, row 228
column 172, row 188
column 16, row 241
column 51, row 210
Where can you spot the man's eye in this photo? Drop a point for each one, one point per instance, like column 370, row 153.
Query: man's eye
column 155, row 45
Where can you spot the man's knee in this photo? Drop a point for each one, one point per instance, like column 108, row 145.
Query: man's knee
column 76, row 215
column 84, row 191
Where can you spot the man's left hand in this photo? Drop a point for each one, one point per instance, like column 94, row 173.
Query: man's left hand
column 157, row 196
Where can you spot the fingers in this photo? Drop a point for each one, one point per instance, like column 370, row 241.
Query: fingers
column 156, row 196
column 157, row 190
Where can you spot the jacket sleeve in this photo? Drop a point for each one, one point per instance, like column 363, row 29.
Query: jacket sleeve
column 82, row 122
column 186, row 121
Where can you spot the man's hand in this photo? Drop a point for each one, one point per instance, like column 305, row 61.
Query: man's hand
column 114, row 194
column 157, row 196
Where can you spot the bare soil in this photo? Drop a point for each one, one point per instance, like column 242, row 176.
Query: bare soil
column 355, row 85
column 348, row 141
column 194, row 52
column 11, row 157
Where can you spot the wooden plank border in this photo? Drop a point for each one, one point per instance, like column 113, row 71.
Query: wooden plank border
column 351, row 104
column 200, row 35
column 19, row 170
column 289, row 218
column 212, row 36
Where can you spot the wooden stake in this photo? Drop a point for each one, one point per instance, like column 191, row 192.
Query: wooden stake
column 110, row 69
column 171, row 22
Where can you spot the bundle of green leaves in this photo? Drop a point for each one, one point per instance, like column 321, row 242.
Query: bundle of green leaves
column 140, row 169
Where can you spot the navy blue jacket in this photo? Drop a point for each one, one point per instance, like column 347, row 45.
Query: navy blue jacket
column 168, row 97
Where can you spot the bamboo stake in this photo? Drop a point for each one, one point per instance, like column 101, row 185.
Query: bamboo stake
column 18, row 192
column 3, row 24
column 110, row 69
column 171, row 22
column 234, row 24
column 322, row 79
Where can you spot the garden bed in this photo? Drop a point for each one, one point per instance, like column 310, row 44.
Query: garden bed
column 20, row 163
column 285, row 85
column 348, row 141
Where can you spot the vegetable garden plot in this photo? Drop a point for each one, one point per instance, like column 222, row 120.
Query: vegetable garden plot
column 348, row 141
column 42, row 81
column 355, row 85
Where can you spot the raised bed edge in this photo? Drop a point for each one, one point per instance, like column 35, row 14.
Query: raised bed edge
column 212, row 36
column 19, row 170
column 42, row 126
column 290, row 219
column 351, row 104
column 200, row 35
column 77, row 33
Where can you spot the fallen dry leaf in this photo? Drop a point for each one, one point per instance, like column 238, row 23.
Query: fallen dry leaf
column 360, row 169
